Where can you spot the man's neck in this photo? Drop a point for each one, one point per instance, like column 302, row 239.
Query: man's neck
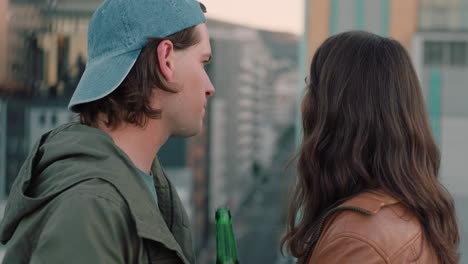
column 141, row 144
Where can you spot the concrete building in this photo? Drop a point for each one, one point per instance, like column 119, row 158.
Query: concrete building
column 285, row 99
column 65, row 44
column 21, row 65
column 44, row 51
column 4, row 17
column 443, row 15
column 240, row 77
column 440, row 53
column 395, row 18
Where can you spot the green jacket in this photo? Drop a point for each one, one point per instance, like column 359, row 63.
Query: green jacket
column 79, row 199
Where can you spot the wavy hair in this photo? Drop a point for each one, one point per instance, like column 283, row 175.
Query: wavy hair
column 365, row 127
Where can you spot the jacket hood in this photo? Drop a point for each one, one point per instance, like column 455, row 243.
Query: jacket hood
column 73, row 153
column 54, row 165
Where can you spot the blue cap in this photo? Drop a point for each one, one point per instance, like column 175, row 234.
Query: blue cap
column 118, row 31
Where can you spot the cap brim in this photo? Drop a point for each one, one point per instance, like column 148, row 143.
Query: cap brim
column 101, row 77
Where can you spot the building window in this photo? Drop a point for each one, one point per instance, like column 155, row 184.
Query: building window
column 433, row 53
column 458, row 53
column 446, row 53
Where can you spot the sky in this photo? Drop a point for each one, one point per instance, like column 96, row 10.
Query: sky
column 275, row 15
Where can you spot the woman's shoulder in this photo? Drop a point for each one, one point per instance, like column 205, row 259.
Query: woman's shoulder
column 376, row 215
column 373, row 220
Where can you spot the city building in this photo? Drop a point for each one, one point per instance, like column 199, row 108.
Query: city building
column 395, row 18
column 239, row 73
column 65, row 44
column 4, row 13
column 45, row 54
column 21, row 57
column 440, row 53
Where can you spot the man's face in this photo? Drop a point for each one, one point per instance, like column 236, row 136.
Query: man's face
column 184, row 111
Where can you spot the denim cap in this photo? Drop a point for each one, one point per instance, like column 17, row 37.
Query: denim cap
column 118, row 31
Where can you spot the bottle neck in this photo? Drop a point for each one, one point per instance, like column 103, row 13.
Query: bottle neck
column 226, row 249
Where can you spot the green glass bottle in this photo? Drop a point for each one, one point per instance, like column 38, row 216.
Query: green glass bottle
column 226, row 250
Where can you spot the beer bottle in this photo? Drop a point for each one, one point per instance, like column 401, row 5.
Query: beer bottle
column 226, row 250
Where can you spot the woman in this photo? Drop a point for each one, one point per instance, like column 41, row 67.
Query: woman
column 368, row 188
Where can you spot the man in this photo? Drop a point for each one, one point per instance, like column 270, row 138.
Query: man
column 93, row 192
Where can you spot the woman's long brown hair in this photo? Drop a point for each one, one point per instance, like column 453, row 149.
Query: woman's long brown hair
column 365, row 126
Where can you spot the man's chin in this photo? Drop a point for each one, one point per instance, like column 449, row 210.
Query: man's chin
column 186, row 133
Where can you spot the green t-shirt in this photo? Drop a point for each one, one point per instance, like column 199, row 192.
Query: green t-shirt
column 150, row 183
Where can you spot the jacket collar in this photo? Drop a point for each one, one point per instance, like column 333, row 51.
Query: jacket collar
column 152, row 221
column 370, row 201
column 367, row 203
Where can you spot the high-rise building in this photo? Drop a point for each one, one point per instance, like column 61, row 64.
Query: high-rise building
column 443, row 15
column 44, row 51
column 394, row 18
column 240, row 77
column 440, row 52
column 65, row 44
column 21, row 63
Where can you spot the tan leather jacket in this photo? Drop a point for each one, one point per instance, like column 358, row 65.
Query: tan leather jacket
column 371, row 228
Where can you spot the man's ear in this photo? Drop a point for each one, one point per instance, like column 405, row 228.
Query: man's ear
column 166, row 59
